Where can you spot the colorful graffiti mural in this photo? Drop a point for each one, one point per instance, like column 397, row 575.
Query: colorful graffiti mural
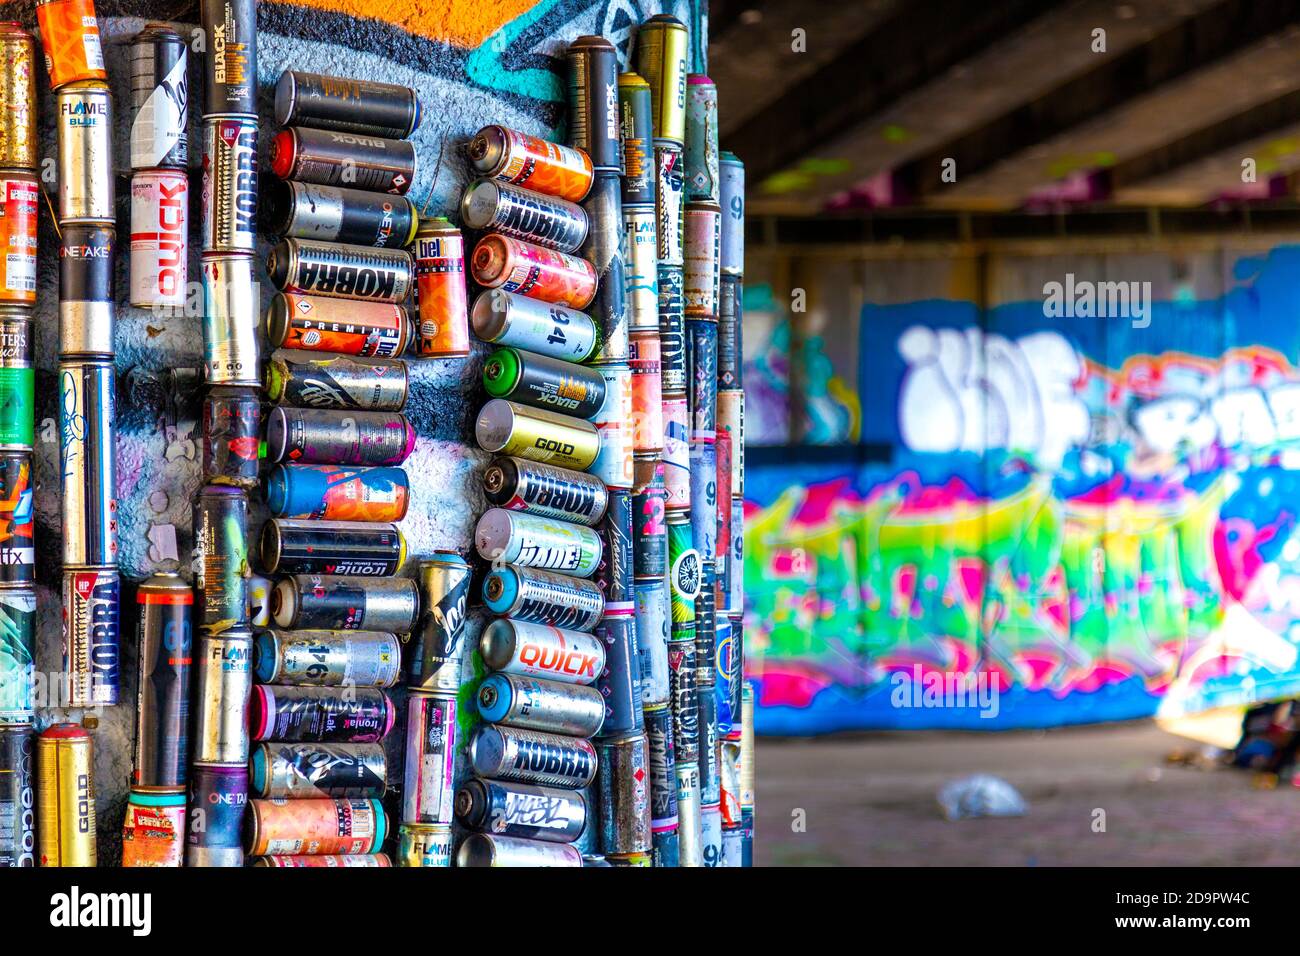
column 1097, row 520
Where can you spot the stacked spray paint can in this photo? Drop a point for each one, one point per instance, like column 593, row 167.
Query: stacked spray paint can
column 223, row 644
column 702, row 237
column 596, row 126
column 91, row 588
column 532, row 800
column 734, row 696
column 661, row 59
column 153, row 831
column 19, row 208
column 337, row 439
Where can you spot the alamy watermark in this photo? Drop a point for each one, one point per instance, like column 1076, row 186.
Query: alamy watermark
column 1085, row 299
column 974, row 690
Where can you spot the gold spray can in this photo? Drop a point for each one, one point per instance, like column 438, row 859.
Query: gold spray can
column 661, row 48
column 17, row 98
column 65, row 796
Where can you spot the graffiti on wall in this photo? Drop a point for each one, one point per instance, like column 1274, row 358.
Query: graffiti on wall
column 1099, row 522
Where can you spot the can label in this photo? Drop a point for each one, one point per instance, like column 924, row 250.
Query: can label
column 663, row 775
column 614, row 575
column 440, row 279
column 523, row 214
column 504, row 318
column 286, row 827
column 17, row 797
column 647, row 394
column 17, row 520
column 230, row 185
column 17, row 391
column 338, row 492
column 429, row 792
column 531, row 161
column 540, row 650
column 159, row 238
column 676, row 454
column 685, row 702
column 323, row 324
column 217, row 801
column 361, row 715
column 337, row 381
column 614, row 424
column 731, row 356
column 349, row 272
column 91, row 612
column 702, row 364
column 652, row 635
column 85, row 154
column 620, row 682
column 534, row 271
column 231, row 28
column 685, row 577
column 737, row 558
column 158, row 136
column 87, row 458
column 701, row 148
column 440, row 643
column 669, row 184
column 517, row 484
column 641, row 269
column 531, row 541
column 152, row 836
column 17, row 659
column 19, row 210
column 672, row 331
column 316, row 658
column 701, row 278
column 650, row 528
column 225, row 674
column 704, row 502
column 70, row 35
column 229, row 320
column 544, row 597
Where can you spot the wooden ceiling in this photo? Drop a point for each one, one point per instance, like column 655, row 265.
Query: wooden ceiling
column 1190, row 103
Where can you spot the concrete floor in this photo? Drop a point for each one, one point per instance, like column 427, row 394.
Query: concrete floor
column 870, row 800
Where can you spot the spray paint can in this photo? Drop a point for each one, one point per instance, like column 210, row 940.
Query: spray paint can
column 17, row 97
column 326, row 324
column 544, row 705
column 281, row 827
column 19, row 214
column 676, row 453
column 613, row 462
column 684, row 690
column 431, row 764
column 731, row 350
column 523, row 214
column 522, row 810
column 18, row 660
column 440, row 275
column 163, row 702
column 336, row 158
column 701, row 152
column 623, row 791
column 670, row 189
column 641, row 268
column 230, row 28
column 340, row 270
column 337, row 214
column 731, row 420
column 530, row 541
column 333, row 602
column 17, row 796
column 316, row 771
column 636, row 119
column 508, row 319
column 153, row 830
column 217, row 801
column 527, row 756
column 359, row 715
column 86, row 452
column 604, row 249
column 689, row 824
column 230, row 353
column 536, row 434
column 320, row 658
column 91, row 611
column 652, row 633
column 614, row 574
column 672, row 332
column 485, row 849
column 517, row 484
column 540, row 650
column 701, row 276
column 332, row 547
column 225, row 678
column 85, row 156
column 338, row 492
column 310, row 380
column 647, row 395
column 544, row 382
column 86, row 309
column 662, row 45
column 229, row 217
column 509, row 156
column 230, row 439
column 529, row 595
column 620, row 680
column 65, row 795
column 221, row 557
column 334, row 436
column 592, row 64
column 441, row 644
column 732, row 200
column 512, row 265
column 159, row 238
column 702, row 364
column 663, row 776
column 17, row 520
column 425, row 845
column 347, row 105
column 160, row 101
